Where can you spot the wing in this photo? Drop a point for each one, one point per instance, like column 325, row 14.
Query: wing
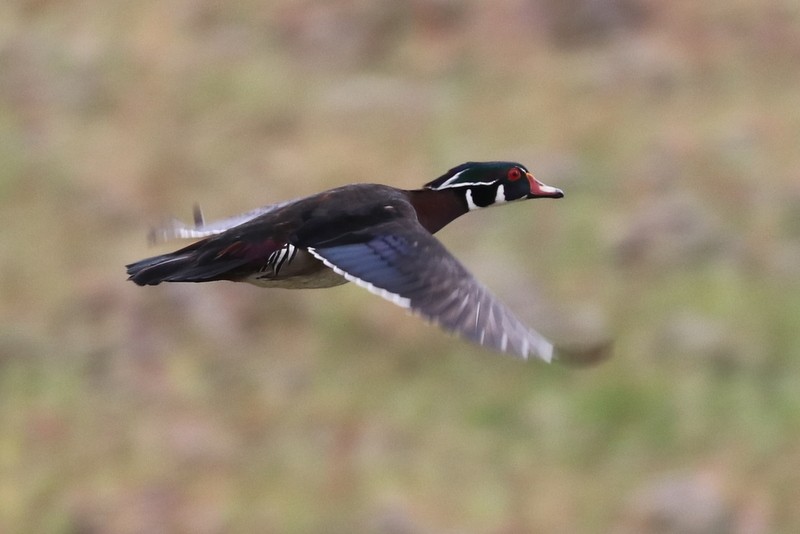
column 403, row 263
column 176, row 229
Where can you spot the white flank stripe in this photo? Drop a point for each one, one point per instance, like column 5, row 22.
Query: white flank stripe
column 403, row 302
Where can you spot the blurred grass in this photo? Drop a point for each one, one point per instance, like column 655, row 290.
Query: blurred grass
column 673, row 127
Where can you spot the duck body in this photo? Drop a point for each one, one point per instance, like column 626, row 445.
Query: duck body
column 379, row 237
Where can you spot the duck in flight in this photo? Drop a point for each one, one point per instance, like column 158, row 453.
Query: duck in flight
column 377, row 236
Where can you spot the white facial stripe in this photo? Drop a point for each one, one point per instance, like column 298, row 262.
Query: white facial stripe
column 499, row 198
column 450, row 182
column 448, row 185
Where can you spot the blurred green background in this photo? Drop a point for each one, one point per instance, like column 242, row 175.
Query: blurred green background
column 673, row 127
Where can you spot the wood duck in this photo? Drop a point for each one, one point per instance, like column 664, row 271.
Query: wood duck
column 374, row 235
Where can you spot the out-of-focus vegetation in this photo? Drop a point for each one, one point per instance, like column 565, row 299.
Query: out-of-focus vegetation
column 674, row 128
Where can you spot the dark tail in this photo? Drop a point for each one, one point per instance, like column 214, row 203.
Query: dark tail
column 189, row 264
column 164, row 268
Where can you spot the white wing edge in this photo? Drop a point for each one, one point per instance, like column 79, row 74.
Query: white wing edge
column 540, row 347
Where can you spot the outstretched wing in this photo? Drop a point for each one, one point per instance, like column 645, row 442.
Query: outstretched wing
column 403, row 263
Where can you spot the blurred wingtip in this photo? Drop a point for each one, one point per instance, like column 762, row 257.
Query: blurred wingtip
column 584, row 354
column 172, row 229
column 197, row 215
column 545, row 352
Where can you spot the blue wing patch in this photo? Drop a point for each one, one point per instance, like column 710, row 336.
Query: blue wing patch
column 383, row 265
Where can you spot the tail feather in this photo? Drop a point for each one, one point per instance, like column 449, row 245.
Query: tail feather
column 153, row 271
column 185, row 265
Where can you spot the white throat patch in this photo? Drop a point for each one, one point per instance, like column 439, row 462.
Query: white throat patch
column 500, row 197
column 470, row 203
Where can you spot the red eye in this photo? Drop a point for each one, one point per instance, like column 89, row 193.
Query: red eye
column 514, row 174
